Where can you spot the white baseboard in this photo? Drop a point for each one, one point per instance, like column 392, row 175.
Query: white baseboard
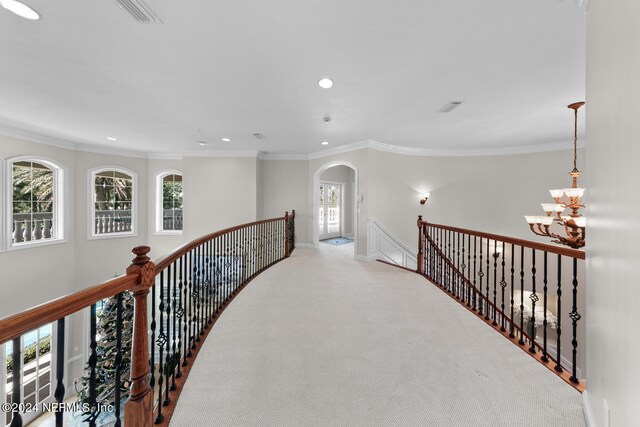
column 364, row 258
column 304, row 245
column 586, row 408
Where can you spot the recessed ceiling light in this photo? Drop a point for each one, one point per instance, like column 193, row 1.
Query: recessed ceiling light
column 110, row 138
column 226, row 139
column 202, row 142
column 325, row 83
column 324, row 143
column 20, row 9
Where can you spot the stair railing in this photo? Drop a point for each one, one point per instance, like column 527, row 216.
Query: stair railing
column 514, row 285
column 176, row 301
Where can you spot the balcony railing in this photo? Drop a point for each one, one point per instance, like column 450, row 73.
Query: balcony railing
column 32, row 227
column 176, row 300
column 528, row 291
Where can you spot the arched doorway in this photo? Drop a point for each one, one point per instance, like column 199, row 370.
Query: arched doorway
column 351, row 214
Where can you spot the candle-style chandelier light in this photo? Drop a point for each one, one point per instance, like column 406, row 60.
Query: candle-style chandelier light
column 567, row 198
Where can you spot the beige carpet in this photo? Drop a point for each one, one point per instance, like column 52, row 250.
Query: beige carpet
column 323, row 340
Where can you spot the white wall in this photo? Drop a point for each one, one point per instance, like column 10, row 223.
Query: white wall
column 613, row 292
column 35, row 275
column 283, row 186
column 222, row 193
column 484, row 193
column 101, row 259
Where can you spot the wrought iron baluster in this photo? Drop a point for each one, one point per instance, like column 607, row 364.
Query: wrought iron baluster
column 169, row 366
column 60, row 362
column 437, row 266
column 189, row 339
column 227, row 269
column 210, row 289
column 475, row 272
column 93, row 361
column 521, row 342
column 503, row 285
column 218, row 273
column 480, row 275
column 488, row 297
column 16, row 390
column 512, row 329
column 558, row 366
column 442, row 247
column 544, row 322
column 575, row 316
column 456, row 264
column 118, row 362
column 179, row 312
column 495, row 280
column 160, row 342
column 534, row 298
column 462, row 267
column 469, row 266
column 197, row 295
column 448, row 264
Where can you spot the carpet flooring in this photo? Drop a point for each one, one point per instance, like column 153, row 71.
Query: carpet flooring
column 323, row 340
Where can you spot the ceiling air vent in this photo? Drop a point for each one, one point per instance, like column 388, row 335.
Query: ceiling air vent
column 140, row 11
column 259, row 136
column 449, row 106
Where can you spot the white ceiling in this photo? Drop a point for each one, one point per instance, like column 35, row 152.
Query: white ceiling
column 87, row 70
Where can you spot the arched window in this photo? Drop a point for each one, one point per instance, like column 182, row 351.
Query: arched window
column 113, row 202
column 169, row 202
column 35, row 202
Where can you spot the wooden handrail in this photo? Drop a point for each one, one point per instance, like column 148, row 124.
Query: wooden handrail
column 559, row 250
column 166, row 260
column 140, row 279
column 513, row 330
column 18, row 324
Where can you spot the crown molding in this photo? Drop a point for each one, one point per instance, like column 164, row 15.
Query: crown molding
column 263, row 155
column 342, row 149
column 112, row 151
column 15, row 132
column 221, row 153
column 165, row 156
column 500, row 151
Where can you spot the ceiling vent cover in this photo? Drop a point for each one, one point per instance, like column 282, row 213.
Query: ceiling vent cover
column 140, row 11
column 450, row 106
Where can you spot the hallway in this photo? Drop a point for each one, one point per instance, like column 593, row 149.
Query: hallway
column 322, row 340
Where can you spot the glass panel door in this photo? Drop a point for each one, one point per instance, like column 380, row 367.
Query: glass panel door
column 330, row 215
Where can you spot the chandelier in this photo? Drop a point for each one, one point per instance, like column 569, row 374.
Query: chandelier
column 567, row 198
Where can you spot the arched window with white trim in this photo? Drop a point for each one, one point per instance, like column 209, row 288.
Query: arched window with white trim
column 113, row 202
column 35, row 202
column 169, row 202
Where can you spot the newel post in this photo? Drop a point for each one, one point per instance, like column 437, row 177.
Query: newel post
column 138, row 411
column 420, row 263
column 287, row 249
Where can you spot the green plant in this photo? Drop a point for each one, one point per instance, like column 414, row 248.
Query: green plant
column 29, row 353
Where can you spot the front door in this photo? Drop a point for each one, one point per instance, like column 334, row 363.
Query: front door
column 330, row 222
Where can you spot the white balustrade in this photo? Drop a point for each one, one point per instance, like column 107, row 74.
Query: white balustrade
column 32, row 227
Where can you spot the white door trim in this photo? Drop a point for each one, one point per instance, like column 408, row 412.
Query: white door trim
column 316, row 203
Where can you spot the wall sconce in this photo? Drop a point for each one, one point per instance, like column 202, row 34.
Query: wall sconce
column 424, row 198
